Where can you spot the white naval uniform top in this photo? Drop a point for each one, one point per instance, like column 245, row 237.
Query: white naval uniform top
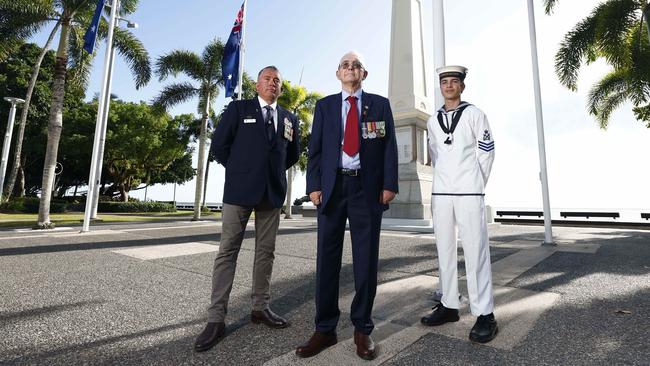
column 462, row 167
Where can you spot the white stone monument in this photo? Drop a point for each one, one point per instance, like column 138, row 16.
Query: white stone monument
column 412, row 105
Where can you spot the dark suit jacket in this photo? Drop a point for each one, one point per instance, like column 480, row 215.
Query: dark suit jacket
column 378, row 156
column 253, row 164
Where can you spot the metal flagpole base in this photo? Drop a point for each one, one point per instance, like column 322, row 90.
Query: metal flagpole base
column 547, row 244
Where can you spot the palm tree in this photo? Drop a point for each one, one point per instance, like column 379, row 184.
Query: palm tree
column 73, row 17
column 614, row 31
column 302, row 103
column 25, row 111
column 205, row 71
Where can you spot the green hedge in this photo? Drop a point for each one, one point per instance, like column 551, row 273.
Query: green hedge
column 135, row 207
column 31, row 205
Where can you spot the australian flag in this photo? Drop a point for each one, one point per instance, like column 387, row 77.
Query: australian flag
column 91, row 33
column 230, row 61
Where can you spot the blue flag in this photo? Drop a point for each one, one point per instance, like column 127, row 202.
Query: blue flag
column 230, row 61
column 91, row 34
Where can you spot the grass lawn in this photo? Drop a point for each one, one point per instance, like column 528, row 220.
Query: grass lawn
column 29, row 220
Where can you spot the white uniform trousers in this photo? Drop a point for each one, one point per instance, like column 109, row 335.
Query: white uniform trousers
column 468, row 213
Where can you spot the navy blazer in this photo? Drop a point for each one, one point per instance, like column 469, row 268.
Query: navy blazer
column 253, row 164
column 378, row 155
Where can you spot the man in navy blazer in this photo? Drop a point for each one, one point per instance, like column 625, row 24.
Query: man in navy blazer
column 351, row 176
column 256, row 141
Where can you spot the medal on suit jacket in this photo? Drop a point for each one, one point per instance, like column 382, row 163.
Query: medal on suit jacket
column 288, row 129
column 373, row 129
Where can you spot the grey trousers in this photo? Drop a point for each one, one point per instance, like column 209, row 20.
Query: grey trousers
column 234, row 220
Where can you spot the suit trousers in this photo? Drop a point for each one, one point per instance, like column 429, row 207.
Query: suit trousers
column 234, row 220
column 348, row 202
column 468, row 213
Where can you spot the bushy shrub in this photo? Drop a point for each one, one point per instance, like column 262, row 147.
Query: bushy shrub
column 31, row 205
column 135, row 206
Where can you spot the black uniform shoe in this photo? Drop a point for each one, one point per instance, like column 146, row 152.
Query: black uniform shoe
column 485, row 329
column 440, row 316
column 212, row 333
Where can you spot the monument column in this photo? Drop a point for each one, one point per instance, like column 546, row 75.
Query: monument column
column 411, row 103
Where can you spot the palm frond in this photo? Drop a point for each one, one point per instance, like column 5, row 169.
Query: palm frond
column 211, row 57
column 614, row 21
column 128, row 7
column 578, row 45
column 79, row 61
column 135, row 55
column 180, row 61
column 607, row 106
column 609, row 93
column 212, row 90
column 23, row 19
column 549, row 6
column 616, row 82
column 174, row 94
column 640, row 53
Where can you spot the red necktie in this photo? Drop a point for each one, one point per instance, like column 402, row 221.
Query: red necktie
column 351, row 135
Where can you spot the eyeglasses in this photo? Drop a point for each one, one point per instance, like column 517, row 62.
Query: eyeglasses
column 356, row 65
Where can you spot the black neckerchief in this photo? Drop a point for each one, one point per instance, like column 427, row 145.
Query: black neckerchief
column 454, row 119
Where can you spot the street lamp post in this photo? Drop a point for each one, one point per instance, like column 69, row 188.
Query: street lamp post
column 93, row 180
column 92, row 197
column 7, row 141
column 106, row 101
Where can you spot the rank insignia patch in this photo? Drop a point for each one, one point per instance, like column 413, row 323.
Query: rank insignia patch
column 486, row 135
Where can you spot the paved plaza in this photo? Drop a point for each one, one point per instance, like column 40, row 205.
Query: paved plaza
column 136, row 294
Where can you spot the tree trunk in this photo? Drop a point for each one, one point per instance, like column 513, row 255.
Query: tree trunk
column 55, row 126
column 23, row 116
column 21, row 180
column 201, row 161
column 205, row 182
column 287, row 208
column 124, row 194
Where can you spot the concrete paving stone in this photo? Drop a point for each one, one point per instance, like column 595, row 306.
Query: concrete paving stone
column 169, row 250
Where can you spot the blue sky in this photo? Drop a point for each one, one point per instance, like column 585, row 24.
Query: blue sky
column 588, row 167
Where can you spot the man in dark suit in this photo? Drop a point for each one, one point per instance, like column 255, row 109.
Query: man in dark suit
column 351, row 175
column 256, row 141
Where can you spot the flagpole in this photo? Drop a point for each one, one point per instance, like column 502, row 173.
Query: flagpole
column 242, row 52
column 102, row 138
column 92, row 179
column 548, row 233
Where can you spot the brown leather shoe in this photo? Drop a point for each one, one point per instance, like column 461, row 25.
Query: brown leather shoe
column 318, row 342
column 365, row 346
column 269, row 318
column 212, row 333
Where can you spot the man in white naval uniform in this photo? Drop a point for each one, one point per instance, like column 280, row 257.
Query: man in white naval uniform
column 462, row 152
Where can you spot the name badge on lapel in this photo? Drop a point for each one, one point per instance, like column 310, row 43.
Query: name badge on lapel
column 288, row 129
column 373, row 130
column 250, row 120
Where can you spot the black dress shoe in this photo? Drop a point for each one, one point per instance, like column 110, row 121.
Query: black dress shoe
column 269, row 318
column 365, row 346
column 485, row 329
column 440, row 315
column 317, row 343
column 210, row 336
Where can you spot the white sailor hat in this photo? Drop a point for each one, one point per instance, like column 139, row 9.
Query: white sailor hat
column 452, row 70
